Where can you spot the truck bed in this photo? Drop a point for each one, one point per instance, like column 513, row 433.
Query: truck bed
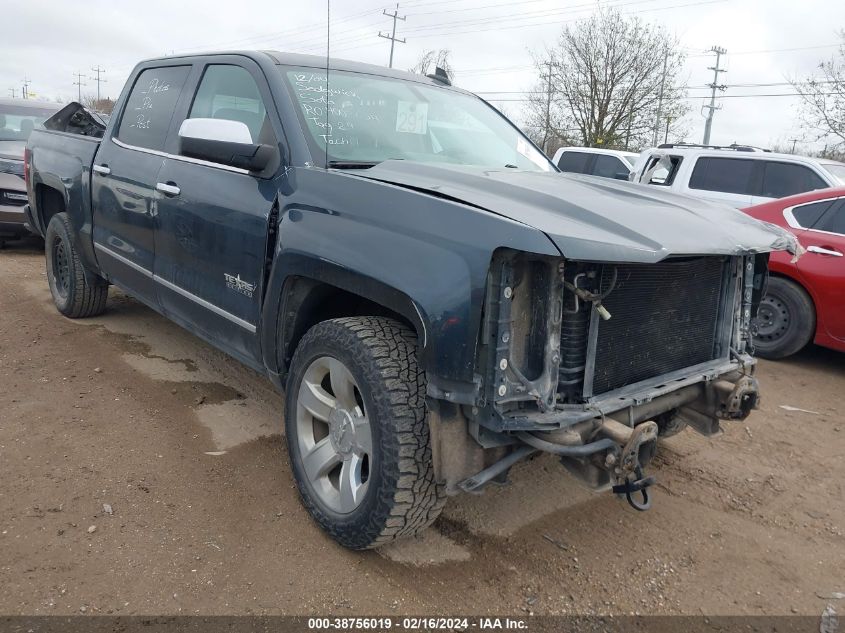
column 61, row 156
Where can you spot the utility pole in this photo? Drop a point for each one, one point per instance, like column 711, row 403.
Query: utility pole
column 659, row 118
column 25, row 90
column 12, row 92
column 794, row 141
column 392, row 37
column 79, row 83
column 711, row 109
column 668, row 123
column 548, row 121
column 99, row 71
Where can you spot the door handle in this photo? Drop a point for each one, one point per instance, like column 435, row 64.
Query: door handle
column 820, row 250
column 168, row 190
column 103, row 170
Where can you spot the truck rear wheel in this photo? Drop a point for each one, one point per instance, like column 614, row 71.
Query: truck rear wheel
column 76, row 292
column 786, row 320
column 356, row 428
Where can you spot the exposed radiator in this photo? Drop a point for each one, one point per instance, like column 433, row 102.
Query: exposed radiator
column 663, row 318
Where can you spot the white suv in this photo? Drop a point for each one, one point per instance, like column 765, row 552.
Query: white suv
column 605, row 163
column 737, row 175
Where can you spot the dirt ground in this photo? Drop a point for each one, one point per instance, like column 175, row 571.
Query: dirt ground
column 143, row 472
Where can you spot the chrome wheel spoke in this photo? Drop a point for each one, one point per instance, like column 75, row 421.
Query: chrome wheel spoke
column 351, row 490
column 343, row 384
column 363, row 436
column 315, row 400
column 320, row 460
column 334, row 435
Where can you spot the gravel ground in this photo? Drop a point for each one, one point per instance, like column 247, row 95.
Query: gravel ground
column 144, row 473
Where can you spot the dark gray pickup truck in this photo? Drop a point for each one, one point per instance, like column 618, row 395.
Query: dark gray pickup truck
column 437, row 301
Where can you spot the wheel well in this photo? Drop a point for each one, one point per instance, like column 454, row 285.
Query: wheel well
column 50, row 202
column 309, row 302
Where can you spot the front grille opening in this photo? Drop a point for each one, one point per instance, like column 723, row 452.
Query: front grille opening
column 664, row 317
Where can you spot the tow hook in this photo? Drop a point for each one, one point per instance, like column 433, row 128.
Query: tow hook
column 629, row 471
column 631, row 486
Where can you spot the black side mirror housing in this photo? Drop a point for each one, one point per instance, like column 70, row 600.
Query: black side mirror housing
column 225, row 142
column 250, row 156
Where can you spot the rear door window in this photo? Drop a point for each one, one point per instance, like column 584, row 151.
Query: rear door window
column 834, row 220
column 726, row 175
column 787, row 179
column 609, row 167
column 149, row 109
column 574, row 162
column 808, row 214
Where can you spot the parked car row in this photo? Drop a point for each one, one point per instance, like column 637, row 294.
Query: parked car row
column 805, row 298
column 18, row 118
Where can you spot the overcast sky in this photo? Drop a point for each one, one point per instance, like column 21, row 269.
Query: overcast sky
column 47, row 41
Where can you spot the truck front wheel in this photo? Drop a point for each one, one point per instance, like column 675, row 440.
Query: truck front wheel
column 76, row 292
column 356, row 428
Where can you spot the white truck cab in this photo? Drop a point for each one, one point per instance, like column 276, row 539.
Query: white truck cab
column 595, row 161
column 737, row 175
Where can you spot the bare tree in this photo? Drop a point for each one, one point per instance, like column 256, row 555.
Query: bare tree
column 823, row 99
column 430, row 60
column 105, row 105
column 614, row 83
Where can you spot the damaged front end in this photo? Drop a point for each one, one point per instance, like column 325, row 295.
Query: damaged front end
column 593, row 361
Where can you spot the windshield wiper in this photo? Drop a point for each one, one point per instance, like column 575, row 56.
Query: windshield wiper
column 352, row 164
column 357, row 164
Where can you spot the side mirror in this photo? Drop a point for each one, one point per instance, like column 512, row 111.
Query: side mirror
column 223, row 141
column 622, row 175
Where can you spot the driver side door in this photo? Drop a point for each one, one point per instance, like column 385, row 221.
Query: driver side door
column 212, row 224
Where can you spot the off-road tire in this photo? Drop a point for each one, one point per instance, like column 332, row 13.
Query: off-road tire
column 76, row 292
column 403, row 497
column 795, row 307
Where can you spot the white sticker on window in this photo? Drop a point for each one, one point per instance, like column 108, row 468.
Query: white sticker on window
column 412, row 117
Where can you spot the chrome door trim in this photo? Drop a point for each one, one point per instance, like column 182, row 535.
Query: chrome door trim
column 123, row 260
column 184, row 159
column 178, row 289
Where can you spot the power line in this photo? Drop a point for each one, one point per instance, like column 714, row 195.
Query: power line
column 392, row 37
column 711, row 109
column 99, row 71
column 79, row 83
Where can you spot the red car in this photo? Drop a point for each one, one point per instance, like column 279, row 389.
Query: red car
column 806, row 300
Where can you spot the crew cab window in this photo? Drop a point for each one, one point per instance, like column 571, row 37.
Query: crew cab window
column 726, row 175
column 609, row 167
column 574, row 162
column 149, row 109
column 834, row 220
column 808, row 214
column 229, row 92
column 787, row 179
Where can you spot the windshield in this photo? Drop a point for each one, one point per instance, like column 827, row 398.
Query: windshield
column 837, row 170
column 366, row 119
column 17, row 122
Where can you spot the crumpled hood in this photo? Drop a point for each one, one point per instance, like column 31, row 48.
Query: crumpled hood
column 590, row 218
